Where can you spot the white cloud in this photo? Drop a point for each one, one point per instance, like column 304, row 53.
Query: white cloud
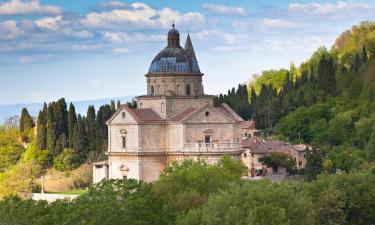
column 9, row 30
column 121, row 50
column 51, row 23
column 277, row 23
column 217, row 35
column 140, row 15
column 225, row 10
column 113, row 4
column 327, row 8
column 293, row 44
column 16, row 7
column 134, row 37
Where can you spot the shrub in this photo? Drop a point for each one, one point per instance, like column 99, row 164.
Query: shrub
column 67, row 160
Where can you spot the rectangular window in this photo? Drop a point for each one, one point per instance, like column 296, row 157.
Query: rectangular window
column 244, row 155
column 123, row 142
column 207, row 139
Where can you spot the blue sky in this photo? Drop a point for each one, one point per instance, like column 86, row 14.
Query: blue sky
column 92, row 49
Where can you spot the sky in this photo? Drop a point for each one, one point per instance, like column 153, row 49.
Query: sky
column 94, row 49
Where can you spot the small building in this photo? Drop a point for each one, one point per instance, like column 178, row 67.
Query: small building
column 255, row 148
column 248, row 129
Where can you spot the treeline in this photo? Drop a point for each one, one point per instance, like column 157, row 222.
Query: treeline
column 238, row 100
column 59, row 127
column 193, row 192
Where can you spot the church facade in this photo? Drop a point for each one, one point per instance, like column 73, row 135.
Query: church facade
column 175, row 120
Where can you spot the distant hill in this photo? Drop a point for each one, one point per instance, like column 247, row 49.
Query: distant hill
column 7, row 111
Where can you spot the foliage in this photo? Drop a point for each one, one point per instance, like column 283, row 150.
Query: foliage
column 278, row 160
column 11, row 148
column 67, row 160
column 19, row 179
column 188, row 184
column 313, row 164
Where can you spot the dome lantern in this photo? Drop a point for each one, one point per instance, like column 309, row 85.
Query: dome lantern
column 173, row 37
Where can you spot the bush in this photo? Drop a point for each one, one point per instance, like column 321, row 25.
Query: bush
column 67, row 160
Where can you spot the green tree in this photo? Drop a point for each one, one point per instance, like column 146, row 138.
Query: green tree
column 313, row 164
column 26, row 125
column 67, row 160
column 370, row 147
column 79, row 139
column 278, row 160
column 72, row 120
column 41, row 134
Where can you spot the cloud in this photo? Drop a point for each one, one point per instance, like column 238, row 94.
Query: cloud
column 17, row 7
column 113, row 4
column 9, row 30
column 140, row 15
column 51, row 23
column 217, row 35
column 293, row 44
column 278, row 23
column 327, row 8
column 121, row 50
column 225, row 10
column 133, row 37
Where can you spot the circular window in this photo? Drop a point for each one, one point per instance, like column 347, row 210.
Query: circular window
column 207, row 113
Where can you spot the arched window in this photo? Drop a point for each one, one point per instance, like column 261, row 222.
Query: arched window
column 188, row 89
column 162, row 107
column 152, row 90
column 178, row 88
column 123, row 115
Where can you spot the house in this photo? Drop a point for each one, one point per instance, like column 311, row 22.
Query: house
column 255, row 148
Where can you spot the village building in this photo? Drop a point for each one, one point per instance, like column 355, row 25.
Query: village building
column 175, row 120
column 255, row 148
column 248, row 129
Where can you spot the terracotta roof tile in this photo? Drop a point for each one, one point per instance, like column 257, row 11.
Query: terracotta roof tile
column 183, row 114
column 146, row 114
column 224, row 108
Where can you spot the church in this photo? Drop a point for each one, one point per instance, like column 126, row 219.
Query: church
column 175, row 120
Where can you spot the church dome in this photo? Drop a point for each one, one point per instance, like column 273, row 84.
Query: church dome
column 173, row 58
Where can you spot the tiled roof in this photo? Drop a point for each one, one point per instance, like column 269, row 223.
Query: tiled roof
column 183, row 114
column 224, row 108
column 146, row 114
column 258, row 145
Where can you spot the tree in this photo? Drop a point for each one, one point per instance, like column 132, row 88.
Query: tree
column 118, row 105
column 41, row 134
column 26, row 121
column 356, row 63
column 91, row 133
column 278, row 160
column 79, row 139
column 72, row 120
column 67, row 160
column 313, row 164
column 364, row 55
column 113, row 107
column 26, row 125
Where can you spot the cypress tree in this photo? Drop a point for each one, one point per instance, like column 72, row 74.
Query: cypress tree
column 79, row 138
column 72, row 120
column 61, row 126
column 90, row 129
column 313, row 164
column 118, row 104
column 41, row 136
column 113, row 107
column 26, row 121
column 51, row 128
